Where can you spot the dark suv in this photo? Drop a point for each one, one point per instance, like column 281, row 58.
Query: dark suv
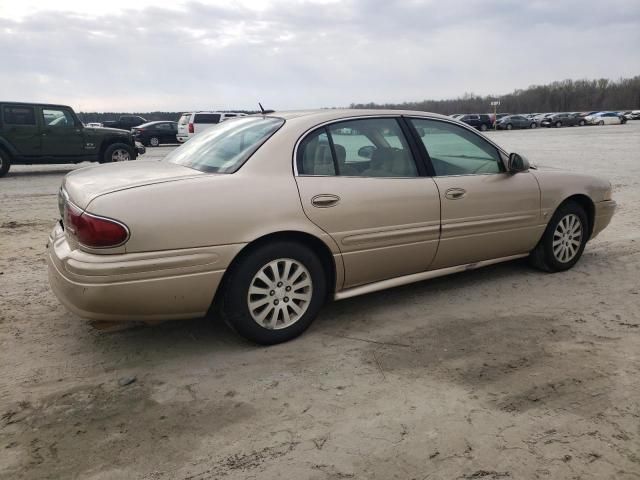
column 33, row 133
column 480, row 121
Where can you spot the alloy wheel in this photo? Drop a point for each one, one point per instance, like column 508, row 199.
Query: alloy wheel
column 567, row 238
column 154, row 142
column 280, row 293
column 120, row 155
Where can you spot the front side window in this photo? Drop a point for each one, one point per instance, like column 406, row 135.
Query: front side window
column 19, row 115
column 225, row 147
column 357, row 148
column 57, row 118
column 454, row 150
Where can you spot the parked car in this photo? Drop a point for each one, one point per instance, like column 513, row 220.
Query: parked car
column 480, row 121
column 605, row 118
column 193, row 123
column 635, row 115
column 264, row 218
column 562, row 120
column 154, row 133
column 34, row 133
column 125, row 122
column 515, row 121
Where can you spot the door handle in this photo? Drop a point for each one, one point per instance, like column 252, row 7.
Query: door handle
column 455, row 193
column 325, row 200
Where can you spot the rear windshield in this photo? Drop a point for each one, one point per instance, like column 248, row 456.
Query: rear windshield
column 225, row 147
column 207, row 118
column 184, row 119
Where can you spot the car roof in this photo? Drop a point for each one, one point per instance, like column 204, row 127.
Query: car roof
column 32, row 104
column 338, row 113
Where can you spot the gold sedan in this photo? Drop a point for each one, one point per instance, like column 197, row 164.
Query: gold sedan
column 268, row 217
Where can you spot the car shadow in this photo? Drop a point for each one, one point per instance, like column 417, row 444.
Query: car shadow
column 183, row 338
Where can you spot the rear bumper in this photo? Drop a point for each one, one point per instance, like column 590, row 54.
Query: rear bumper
column 146, row 286
column 182, row 138
column 603, row 214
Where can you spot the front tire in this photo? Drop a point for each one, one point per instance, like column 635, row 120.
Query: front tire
column 601, row 123
column 5, row 163
column 564, row 239
column 274, row 292
column 118, row 152
column 582, row 123
column 534, row 125
column 509, row 126
column 558, row 124
column 483, row 128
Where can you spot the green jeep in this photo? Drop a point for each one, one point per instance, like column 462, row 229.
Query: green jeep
column 33, row 133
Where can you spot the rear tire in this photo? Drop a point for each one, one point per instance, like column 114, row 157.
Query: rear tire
column 601, row 123
column 509, row 126
column 274, row 292
column 483, row 128
column 563, row 241
column 558, row 124
column 582, row 123
column 533, row 125
column 118, row 152
column 154, row 141
column 5, row 163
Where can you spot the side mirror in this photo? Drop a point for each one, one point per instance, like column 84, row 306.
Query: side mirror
column 366, row 151
column 517, row 163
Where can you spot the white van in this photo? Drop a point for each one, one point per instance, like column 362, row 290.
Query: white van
column 192, row 123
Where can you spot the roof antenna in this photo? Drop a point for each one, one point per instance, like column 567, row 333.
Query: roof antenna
column 262, row 110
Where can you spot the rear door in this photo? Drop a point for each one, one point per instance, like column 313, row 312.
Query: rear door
column 359, row 181
column 183, row 126
column 62, row 134
column 21, row 129
column 487, row 213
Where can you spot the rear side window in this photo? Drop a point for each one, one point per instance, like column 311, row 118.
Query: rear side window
column 357, row 148
column 19, row 115
column 207, row 118
column 225, row 147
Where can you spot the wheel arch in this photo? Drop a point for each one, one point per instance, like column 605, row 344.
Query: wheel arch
column 587, row 204
column 318, row 246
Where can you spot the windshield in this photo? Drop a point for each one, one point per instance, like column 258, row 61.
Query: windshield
column 225, row 147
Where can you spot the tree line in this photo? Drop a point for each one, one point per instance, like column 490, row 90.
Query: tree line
column 561, row 96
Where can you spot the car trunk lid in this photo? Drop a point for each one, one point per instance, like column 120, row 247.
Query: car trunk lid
column 83, row 185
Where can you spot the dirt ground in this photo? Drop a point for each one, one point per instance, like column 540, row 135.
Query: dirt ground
column 500, row 373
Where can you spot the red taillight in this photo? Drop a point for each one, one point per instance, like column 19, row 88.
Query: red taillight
column 191, row 128
column 94, row 231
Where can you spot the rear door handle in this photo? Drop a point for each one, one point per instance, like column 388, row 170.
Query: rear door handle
column 455, row 193
column 325, row 200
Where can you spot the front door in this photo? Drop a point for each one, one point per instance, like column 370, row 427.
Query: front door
column 21, row 129
column 359, row 182
column 62, row 136
column 487, row 213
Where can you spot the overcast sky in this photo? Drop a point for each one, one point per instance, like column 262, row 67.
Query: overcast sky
column 126, row 55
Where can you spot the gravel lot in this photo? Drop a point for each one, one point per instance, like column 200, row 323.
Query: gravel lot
column 500, row 373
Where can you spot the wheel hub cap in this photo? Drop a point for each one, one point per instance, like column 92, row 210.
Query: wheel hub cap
column 567, row 238
column 279, row 294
